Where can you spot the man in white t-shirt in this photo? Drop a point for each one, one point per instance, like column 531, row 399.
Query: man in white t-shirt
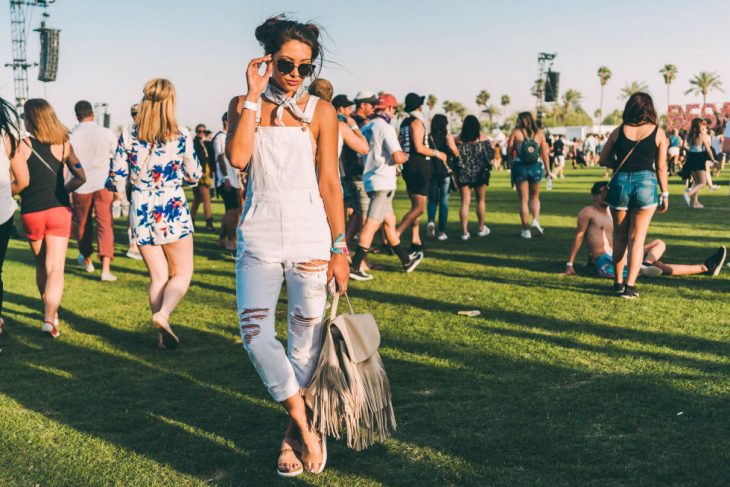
column 94, row 146
column 380, row 180
column 229, row 188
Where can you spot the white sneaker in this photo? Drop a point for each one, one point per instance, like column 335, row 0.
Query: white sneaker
column 442, row 236
column 108, row 277
column 466, row 236
column 687, row 200
column 134, row 255
column 650, row 271
column 525, row 233
column 714, row 187
column 484, row 231
column 537, row 229
column 431, row 229
column 51, row 329
column 82, row 262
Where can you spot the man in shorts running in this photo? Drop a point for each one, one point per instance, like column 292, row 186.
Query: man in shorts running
column 595, row 226
column 380, row 181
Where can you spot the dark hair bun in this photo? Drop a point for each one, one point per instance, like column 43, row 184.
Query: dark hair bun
column 278, row 30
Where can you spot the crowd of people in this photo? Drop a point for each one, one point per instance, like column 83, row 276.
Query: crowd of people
column 308, row 181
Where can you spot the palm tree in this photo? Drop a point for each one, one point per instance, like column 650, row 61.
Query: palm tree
column 482, row 99
column 669, row 73
column 571, row 103
column 491, row 111
column 538, row 88
column 604, row 74
column 431, row 101
column 449, row 108
column 703, row 83
column 634, row 87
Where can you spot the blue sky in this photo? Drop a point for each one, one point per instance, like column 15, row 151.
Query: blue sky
column 452, row 49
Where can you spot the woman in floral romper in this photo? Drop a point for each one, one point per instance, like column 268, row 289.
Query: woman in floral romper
column 156, row 159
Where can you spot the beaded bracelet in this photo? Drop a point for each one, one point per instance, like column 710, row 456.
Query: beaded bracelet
column 340, row 246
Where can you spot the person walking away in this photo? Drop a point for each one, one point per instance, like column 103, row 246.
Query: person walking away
column 13, row 179
column 473, row 171
column 640, row 149
column 229, row 189
column 201, row 192
column 438, row 196
column 675, row 143
column 133, row 249
column 292, row 229
column 417, row 171
column 700, row 151
column 45, row 204
column 559, row 150
column 352, row 164
column 529, row 152
column 381, row 180
column 95, row 145
column 157, row 157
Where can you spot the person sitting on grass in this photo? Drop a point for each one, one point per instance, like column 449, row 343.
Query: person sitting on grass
column 595, row 225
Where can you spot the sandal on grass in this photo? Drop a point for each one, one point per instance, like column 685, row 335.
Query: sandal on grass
column 168, row 339
column 285, row 466
column 314, row 458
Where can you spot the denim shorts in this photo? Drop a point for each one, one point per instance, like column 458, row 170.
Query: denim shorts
column 532, row 173
column 633, row 191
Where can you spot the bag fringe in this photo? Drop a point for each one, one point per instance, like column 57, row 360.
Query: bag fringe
column 351, row 398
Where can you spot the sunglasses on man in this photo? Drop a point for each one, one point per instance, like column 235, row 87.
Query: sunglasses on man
column 304, row 70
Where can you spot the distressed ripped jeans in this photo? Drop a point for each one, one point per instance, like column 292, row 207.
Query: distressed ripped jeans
column 258, row 285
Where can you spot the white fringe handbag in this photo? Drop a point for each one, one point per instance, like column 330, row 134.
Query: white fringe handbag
column 349, row 389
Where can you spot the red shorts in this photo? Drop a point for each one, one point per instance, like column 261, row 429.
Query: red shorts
column 53, row 221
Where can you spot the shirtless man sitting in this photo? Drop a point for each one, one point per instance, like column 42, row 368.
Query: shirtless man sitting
column 595, row 225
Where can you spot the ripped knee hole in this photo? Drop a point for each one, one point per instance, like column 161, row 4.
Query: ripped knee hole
column 249, row 329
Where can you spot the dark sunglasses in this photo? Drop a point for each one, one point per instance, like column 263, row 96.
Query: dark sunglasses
column 286, row 67
column 200, row 131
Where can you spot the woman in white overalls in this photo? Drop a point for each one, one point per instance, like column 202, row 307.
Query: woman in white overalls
column 292, row 227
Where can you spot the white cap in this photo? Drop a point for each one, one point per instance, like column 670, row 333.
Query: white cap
column 366, row 96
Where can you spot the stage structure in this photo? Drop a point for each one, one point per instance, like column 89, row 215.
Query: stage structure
column 20, row 11
column 545, row 89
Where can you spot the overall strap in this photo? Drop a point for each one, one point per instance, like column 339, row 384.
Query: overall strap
column 309, row 110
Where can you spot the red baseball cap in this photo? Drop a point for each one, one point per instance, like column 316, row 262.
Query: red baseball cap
column 386, row 100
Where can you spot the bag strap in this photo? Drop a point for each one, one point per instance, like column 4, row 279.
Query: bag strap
column 618, row 168
column 335, row 304
column 143, row 167
column 40, row 157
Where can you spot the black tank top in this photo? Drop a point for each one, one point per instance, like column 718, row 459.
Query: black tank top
column 643, row 157
column 406, row 137
column 45, row 189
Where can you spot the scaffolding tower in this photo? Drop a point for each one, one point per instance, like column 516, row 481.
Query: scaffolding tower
column 19, row 10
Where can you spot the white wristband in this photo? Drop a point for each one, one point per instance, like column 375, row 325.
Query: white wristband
column 249, row 105
column 568, row 264
column 665, row 194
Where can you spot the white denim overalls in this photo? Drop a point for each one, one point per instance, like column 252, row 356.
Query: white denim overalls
column 283, row 228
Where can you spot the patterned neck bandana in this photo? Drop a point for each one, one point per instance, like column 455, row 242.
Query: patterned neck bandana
column 278, row 97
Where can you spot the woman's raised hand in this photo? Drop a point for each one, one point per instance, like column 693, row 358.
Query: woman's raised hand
column 254, row 79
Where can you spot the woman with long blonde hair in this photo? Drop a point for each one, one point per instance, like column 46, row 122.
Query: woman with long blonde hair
column 45, row 204
column 156, row 157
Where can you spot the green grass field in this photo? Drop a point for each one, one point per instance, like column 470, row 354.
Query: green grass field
column 558, row 382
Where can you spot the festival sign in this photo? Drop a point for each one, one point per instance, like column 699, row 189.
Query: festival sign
column 679, row 117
